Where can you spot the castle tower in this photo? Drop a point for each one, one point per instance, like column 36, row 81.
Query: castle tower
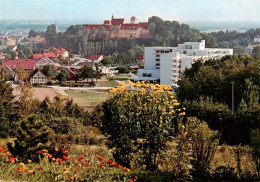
column 133, row 20
column 112, row 17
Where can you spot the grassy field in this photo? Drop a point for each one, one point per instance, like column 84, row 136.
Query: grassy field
column 88, row 99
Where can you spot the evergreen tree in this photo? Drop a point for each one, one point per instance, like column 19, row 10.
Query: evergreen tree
column 32, row 136
column 7, row 114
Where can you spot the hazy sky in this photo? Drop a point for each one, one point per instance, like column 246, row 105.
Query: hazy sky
column 98, row 10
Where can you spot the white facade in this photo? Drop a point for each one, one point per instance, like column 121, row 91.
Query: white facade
column 166, row 64
column 257, row 39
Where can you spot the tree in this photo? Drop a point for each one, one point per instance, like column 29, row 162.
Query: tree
column 63, row 75
column 87, row 73
column 256, row 51
column 7, row 114
column 32, row 136
column 48, row 71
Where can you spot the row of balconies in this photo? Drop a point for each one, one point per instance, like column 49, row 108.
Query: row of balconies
column 163, row 50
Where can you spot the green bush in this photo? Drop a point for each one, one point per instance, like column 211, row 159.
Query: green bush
column 204, row 144
column 140, row 122
column 32, row 136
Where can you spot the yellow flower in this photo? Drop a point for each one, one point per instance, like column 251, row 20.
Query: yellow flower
column 171, row 97
column 170, row 107
column 30, row 171
column 161, row 118
column 121, row 116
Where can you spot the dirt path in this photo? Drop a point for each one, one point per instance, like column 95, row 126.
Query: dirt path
column 40, row 93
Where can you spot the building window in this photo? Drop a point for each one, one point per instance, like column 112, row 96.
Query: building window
column 144, row 74
column 184, row 52
column 149, row 75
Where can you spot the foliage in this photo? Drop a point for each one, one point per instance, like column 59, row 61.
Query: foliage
column 141, row 121
column 87, row 166
column 48, row 71
column 32, row 135
column 7, row 107
column 204, row 144
column 63, row 75
column 256, row 51
column 255, row 144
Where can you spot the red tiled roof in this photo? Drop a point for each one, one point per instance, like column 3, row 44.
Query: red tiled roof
column 50, row 55
column 107, row 22
column 143, row 25
column 257, row 36
column 91, row 26
column 139, row 56
column 93, row 57
column 59, row 51
column 28, row 64
column 117, row 22
column 129, row 26
column 36, row 56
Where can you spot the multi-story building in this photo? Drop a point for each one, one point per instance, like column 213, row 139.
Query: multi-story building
column 117, row 28
column 166, row 64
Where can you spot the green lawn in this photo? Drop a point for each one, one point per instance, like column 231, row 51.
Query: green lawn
column 88, row 99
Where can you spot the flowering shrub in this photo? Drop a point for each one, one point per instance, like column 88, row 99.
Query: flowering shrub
column 86, row 167
column 140, row 122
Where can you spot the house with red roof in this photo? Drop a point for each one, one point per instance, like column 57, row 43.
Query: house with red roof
column 95, row 58
column 117, row 28
column 12, row 67
column 60, row 52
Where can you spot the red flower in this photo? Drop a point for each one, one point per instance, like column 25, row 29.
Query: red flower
column 2, row 149
column 101, row 164
column 130, row 180
column 119, row 166
column 126, row 170
column 39, row 169
column 113, row 164
column 80, row 158
column 86, row 165
column 39, row 152
column 66, row 151
column 8, row 154
column 136, row 177
column 109, row 161
column 100, row 158
column 12, row 159
column 65, row 158
column 59, row 159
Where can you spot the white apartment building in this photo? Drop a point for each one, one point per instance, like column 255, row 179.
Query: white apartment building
column 166, row 64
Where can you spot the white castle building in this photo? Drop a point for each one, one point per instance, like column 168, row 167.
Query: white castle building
column 166, row 64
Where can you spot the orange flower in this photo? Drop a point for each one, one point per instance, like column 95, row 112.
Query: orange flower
column 44, row 151
column 59, row 159
column 39, row 169
column 49, row 156
column 65, row 158
column 31, row 172
column 20, row 169
column 113, row 164
column 136, row 177
column 130, row 180
column 100, row 158
column 29, row 161
column 39, row 152
column 2, row 149
column 126, row 170
column 56, row 149
column 12, row 159
column 101, row 164
column 109, row 161
column 119, row 166
column 72, row 178
column 66, row 151
column 8, row 154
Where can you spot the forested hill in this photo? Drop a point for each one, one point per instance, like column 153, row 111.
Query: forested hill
column 84, row 41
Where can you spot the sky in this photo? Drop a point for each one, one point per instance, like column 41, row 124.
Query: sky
column 98, row 10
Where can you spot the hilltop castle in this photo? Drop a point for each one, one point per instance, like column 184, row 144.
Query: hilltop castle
column 117, row 28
